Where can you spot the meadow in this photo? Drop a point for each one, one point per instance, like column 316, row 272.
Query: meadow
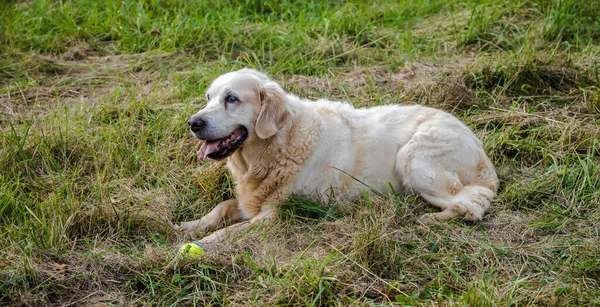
column 96, row 158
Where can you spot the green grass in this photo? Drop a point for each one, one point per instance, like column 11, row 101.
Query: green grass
column 96, row 157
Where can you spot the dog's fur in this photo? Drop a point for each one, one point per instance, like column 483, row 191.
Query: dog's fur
column 297, row 146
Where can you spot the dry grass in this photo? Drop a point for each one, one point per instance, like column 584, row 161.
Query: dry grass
column 376, row 250
column 97, row 160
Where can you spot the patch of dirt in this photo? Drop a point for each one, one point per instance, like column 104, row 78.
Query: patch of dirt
column 128, row 205
column 510, row 228
column 94, row 278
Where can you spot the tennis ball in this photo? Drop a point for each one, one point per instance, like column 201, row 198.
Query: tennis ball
column 191, row 250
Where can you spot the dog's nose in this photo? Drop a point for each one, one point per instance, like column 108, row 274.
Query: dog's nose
column 196, row 123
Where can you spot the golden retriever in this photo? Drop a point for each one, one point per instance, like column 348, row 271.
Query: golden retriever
column 277, row 144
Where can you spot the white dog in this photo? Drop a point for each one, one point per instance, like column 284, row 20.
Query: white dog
column 277, row 144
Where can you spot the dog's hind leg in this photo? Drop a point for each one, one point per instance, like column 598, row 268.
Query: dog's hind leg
column 444, row 190
column 460, row 182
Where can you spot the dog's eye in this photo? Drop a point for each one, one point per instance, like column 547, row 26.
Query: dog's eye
column 231, row 99
column 207, row 97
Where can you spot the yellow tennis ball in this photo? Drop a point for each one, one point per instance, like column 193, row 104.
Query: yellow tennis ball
column 191, row 250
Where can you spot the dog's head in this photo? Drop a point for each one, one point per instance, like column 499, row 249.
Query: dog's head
column 242, row 105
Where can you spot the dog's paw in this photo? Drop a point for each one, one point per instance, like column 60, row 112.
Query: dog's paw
column 203, row 224
column 187, row 226
column 214, row 238
column 222, row 234
column 446, row 214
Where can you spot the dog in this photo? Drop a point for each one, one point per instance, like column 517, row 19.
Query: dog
column 277, row 144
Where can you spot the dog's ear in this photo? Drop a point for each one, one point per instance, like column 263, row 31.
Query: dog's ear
column 273, row 111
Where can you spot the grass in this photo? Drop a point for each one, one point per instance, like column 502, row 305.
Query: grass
column 96, row 157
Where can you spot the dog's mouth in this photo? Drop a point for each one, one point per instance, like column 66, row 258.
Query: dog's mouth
column 222, row 148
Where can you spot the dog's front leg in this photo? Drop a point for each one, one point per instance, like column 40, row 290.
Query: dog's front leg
column 259, row 205
column 265, row 215
column 224, row 213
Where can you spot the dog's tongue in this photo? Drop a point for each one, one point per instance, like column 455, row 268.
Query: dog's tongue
column 213, row 146
column 208, row 148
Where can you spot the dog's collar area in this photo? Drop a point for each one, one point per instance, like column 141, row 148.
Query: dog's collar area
column 222, row 148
